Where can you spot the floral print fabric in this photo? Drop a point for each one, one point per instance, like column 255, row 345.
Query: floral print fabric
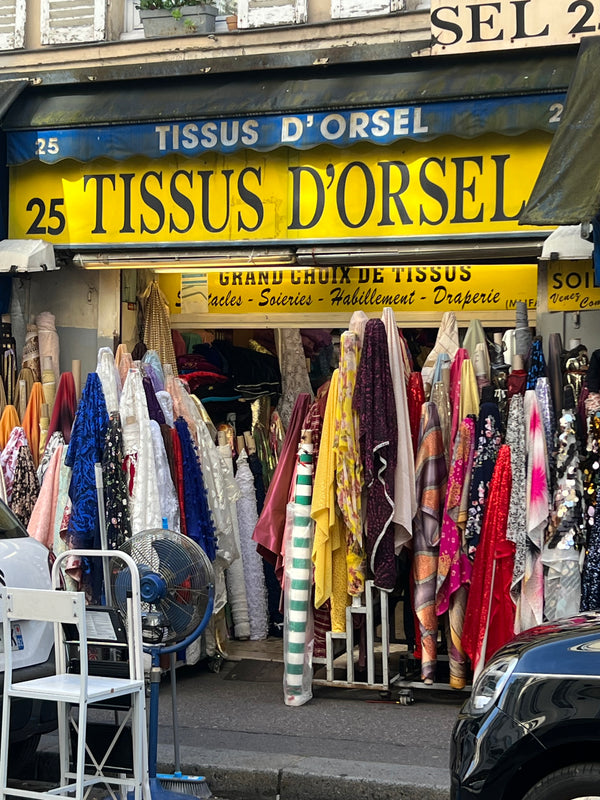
column 348, row 466
column 116, row 500
column 488, row 443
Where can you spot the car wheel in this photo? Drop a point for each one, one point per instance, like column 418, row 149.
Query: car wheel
column 575, row 782
column 21, row 758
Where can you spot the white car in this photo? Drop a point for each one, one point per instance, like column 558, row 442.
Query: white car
column 24, row 563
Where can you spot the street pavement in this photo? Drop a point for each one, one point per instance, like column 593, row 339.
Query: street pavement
column 235, row 730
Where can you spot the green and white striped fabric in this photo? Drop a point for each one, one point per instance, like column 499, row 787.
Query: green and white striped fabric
column 298, row 587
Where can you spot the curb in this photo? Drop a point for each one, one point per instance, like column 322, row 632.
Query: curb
column 271, row 776
column 249, row 775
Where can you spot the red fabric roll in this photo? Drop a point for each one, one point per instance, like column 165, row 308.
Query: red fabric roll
column 65, row 407
column 490, row 612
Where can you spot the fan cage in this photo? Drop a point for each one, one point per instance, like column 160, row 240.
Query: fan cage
column 176, row 578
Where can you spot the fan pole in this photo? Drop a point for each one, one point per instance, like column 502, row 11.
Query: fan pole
column 153, row 719
column 172, row 664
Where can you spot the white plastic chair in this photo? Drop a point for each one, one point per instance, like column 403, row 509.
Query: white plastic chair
column 79, row 691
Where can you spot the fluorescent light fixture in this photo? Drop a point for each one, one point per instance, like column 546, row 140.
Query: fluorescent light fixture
column 163, row 262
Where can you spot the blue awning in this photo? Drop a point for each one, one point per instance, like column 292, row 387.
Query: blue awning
column 466, row 119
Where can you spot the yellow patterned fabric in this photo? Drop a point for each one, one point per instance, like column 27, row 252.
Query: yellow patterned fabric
column 329, row 550
column 469, row 391
column 348, row 466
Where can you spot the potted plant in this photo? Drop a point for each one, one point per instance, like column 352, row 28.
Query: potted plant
column 176, row 17
column 230, row 11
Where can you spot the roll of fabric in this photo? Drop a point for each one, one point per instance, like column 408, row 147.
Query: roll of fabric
column 375, row 403
column 455, row 388
column 415, row 398
column 516, row 529
column 23, row 384
column 297, row 584
column 439, row 396
column 8, row 458
column 474, row 336
column 31, row 353
column 566, row 533
column 294, row 374
column 489, row 625
column 270, row 527
column 3, row 401
column 523, row 335
column 44, row 422
column 31, row 421
column 144, row 507
column 454, row 565
column 348, row 465
column 152, row 359
column 247, row 516
column 530, row 607
column 65, row 407
column 109, row 378
column 431, row 475
column 329, row 548
column 8, row 421
column 487, row 444
column 48, row 341
column 42, row 519
column 84, row 452
column 157, row 325
column 555, row 373
column 469, row 393
column 123, row 362
column 405, row 505
column 9, row 374
column 236, row 584
column 447, row 341
column 25, row 488
column 481, row 365
column 49, row 386
column 536, row 367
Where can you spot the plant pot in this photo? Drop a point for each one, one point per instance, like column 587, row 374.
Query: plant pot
column 160, row 22
column 232, row 22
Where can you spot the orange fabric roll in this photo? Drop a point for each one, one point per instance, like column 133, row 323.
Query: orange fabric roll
column 31, row 420
column 8, row 421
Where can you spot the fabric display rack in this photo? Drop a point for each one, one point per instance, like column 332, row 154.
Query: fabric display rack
column 395, row 508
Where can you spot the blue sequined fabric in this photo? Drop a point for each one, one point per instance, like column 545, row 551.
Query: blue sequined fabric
column 85, row 450
column 199, row 522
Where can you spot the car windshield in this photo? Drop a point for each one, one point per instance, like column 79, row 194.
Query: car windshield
column 10, row 527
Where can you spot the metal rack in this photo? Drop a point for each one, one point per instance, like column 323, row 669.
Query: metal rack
column 373, row 606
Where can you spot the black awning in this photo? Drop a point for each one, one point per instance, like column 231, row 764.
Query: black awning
column 9, row 91
column 567, row 190
column 373, row 84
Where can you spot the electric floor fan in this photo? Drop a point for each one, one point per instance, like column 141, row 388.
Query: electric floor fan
column 177, row 595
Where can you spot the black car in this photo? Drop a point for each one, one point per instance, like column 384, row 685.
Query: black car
column 531, row 727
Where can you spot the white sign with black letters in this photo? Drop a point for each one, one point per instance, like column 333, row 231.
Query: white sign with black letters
column 484, row 25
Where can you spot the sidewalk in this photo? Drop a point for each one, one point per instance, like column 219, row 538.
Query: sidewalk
column 236, row 730
column 344, row 744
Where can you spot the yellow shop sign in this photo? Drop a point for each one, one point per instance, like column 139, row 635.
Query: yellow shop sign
column 571, row 286
column 334, row 290
column 407, row 189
